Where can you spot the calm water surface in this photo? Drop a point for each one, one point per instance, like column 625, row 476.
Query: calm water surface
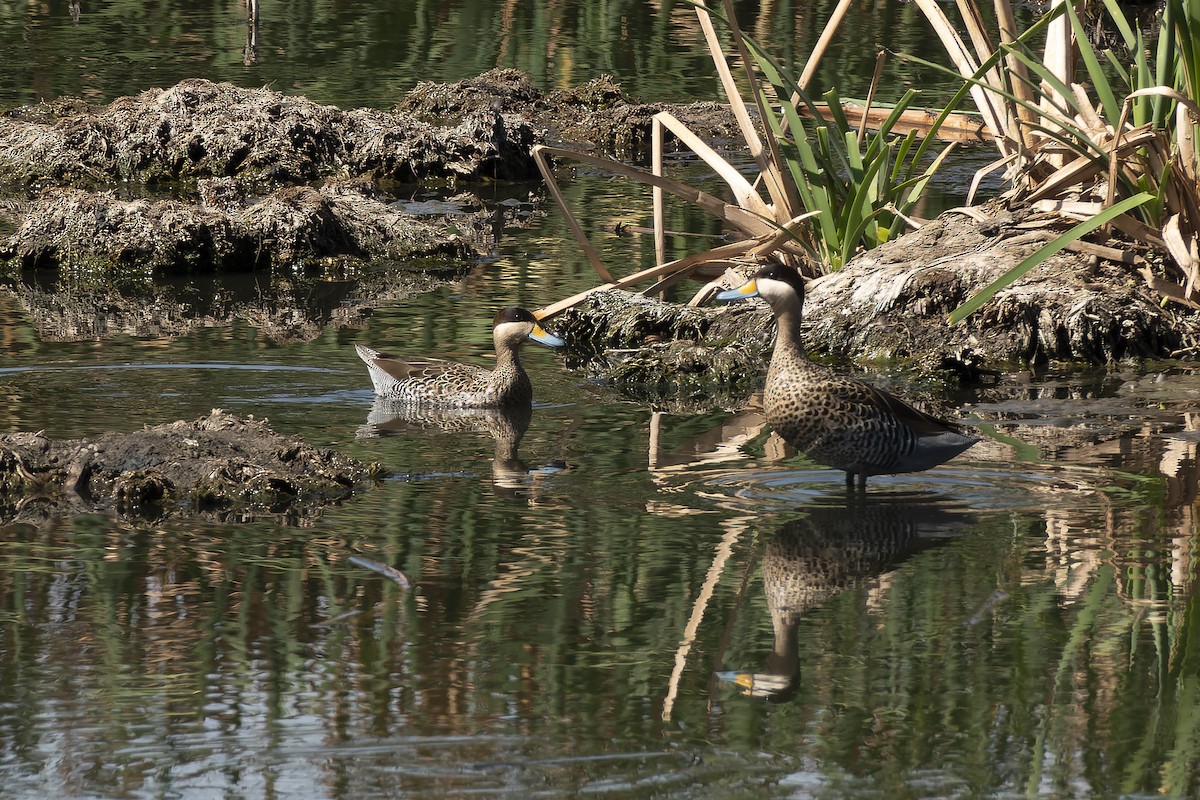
column 370, row 53
column 616, row 602
column 605, row 600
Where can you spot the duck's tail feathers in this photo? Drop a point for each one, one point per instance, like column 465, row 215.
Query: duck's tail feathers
column 367, row 354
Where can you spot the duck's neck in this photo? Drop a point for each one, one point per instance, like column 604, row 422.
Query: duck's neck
column 787, row 330
column 507, row 358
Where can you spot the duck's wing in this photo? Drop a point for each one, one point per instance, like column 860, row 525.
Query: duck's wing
column 427, row 370
column 918, row 421
column 423, row 378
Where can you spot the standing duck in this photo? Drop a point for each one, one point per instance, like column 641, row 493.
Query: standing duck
column 435, row 382
column 832, row 418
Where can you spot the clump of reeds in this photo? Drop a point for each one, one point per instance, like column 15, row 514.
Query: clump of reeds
column 816, row 198
column 1112, row 144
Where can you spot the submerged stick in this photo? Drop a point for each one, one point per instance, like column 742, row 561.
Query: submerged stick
column 733, row 531
column 391, row 573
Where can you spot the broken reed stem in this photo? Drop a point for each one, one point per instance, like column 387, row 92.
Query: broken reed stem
column 724, row 251
column 656, row 166
column 539, row 156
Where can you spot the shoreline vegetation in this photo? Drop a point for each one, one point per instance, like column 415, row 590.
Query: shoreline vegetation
column 1093, row 143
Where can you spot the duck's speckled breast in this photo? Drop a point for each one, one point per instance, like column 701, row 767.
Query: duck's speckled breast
column 831, row 418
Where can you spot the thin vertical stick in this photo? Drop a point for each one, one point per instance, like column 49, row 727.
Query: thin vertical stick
column 738, row 106
column 656, row 166
column 862, row 123
column 822, row 44
column 1058, row 58
column 783, row 192
column 966, row 66
column 655, row 437
column 1020, row 74
column 539, row 156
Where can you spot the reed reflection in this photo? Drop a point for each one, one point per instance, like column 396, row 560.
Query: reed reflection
column 841, row 543
column 250, row 51
column 507, row 426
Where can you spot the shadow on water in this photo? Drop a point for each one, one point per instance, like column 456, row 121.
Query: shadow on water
column 842, row 541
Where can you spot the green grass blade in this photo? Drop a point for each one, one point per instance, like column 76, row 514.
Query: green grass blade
column 1142, row 109
column 902, row 105
column 1115, row 64
column 914, row 188
column 1118, row 17
column 902, row 149
column 1100, row 82
column 988, row 292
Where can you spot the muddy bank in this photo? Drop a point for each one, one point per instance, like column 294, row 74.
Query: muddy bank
column 200, row 129
column 212, row 144
column 658, row 351
column 219, row 465
column 247, row 179
column 598, row 113
column 478, row 129
column 891, row 304
column 105, row 239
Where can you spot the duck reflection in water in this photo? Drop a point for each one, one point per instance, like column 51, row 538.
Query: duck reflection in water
column 506, row 425
column 836, row 547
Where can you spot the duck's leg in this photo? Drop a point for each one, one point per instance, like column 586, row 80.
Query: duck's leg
column 851, row 475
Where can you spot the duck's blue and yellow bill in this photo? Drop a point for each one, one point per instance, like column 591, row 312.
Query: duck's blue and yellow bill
column 749, row 289
column 541, row 337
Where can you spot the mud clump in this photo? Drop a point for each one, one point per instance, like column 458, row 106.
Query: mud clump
column 201, row 129
column 234, row 179
column 219, row 463
column 597, row 113
column 890, row 305
column 296, row 226
column 654, row 350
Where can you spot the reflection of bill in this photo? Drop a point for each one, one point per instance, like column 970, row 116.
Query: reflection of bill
column 831, row 549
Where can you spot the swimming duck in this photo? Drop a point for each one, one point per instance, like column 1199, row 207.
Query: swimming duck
column 435, row 382
column 832, row 418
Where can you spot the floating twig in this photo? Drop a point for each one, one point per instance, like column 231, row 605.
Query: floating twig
column 391, row 573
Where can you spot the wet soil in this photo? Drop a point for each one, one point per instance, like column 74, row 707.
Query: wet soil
column 214, row 177
column 597, row 114
column 893, row 302
column 219, row 465
column 200, row 129
column 298, row 227
column 658, row 351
